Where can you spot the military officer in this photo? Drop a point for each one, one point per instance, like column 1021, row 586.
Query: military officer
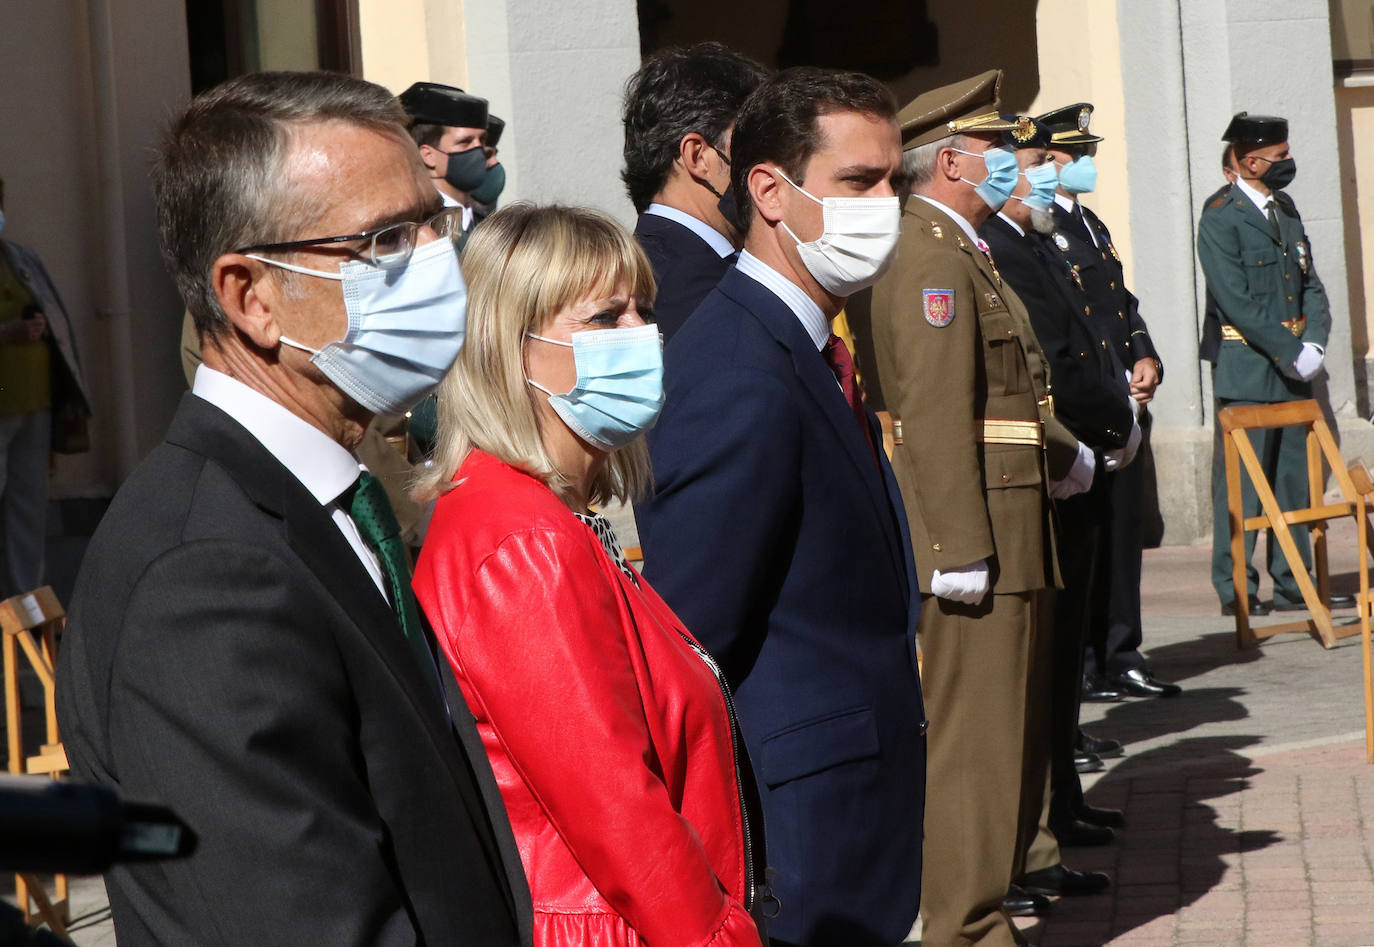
column 1092, row 399
column 1258, row 263
column 977, row 444
column 1113, row 663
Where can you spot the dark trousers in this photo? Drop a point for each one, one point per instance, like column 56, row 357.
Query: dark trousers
column 1115, row 631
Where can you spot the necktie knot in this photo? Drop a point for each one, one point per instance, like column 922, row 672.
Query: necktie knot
column 371, row 510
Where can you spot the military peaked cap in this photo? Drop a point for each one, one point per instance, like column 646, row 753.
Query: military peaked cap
column 1256, row 129
column 1069, row 125
column 967, row 106
column 436, row 104
column 495, row 126
column 1028, row 133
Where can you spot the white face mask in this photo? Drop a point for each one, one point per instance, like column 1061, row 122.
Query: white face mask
column 406, row 323
column 857, row 244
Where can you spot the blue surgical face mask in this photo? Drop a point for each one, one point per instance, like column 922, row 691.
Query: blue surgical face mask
column 619, row 389
column 1079, row 176
column 1044, row 180
column 406, row 323
column 1000, row 181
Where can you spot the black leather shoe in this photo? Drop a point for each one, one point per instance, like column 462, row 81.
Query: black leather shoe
column 1337, row 601
column 1140, row 682
column 1088, row 762
column 1104, row 748
column 1064, row 882
column 1104, row 818
column 1076, row 834
column 1021, row 903
column 1256, row 608
column 1096, row 691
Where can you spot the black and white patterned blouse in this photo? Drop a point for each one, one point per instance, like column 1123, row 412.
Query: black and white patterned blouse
column 605, row 532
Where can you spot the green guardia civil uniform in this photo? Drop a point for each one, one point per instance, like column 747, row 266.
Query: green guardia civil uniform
column 1271, row 302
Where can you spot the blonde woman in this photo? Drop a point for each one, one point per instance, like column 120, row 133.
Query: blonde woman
column 609, row 728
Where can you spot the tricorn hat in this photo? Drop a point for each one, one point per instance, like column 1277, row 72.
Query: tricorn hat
column 966, row 106
column 1069, row 125
column 495, row 126
column 436, row 104
column 1256, row 129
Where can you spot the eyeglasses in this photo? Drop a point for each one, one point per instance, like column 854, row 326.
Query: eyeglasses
column 388, row 245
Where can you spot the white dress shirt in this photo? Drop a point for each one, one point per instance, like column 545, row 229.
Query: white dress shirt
column 713, row 237
column 1261, row 201
column 319, row 462
column 809, row 314
column 958, row 218
column 451, row 202
column 1012, row 224
column 1071, row 205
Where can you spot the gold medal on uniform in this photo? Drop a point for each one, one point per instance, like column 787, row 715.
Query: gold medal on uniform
column 1061, row 241
column 1301, row 248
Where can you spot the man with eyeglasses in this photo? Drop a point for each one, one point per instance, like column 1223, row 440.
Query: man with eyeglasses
column 679, row 114
column 244, row 646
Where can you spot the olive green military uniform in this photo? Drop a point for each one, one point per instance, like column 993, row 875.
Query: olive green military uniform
column 968, row 386
column 1271, row 302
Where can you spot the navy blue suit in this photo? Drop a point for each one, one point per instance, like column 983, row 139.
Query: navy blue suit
column 686, row 268
column 783, row 544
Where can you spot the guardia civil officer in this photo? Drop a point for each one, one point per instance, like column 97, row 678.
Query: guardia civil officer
column 449, row 127
column 968, row 388
column 1113, row 663
column 1275, row 319
column 1094, row 402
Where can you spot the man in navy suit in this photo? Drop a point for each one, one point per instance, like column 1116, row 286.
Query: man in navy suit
column 777, row 531
column 679, row 112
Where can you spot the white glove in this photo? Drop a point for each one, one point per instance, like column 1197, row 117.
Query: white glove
column 1308, row 362
column 1119, row 457
column 967, row 585
column 1080, row 475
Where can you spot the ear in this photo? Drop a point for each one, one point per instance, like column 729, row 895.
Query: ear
column 692, row 151
column 430, row 156
column 947, row 163
column 765, row 189
column 246, row 293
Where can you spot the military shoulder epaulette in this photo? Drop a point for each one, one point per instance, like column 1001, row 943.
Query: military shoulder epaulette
column 1218, row 202
column 937, row 231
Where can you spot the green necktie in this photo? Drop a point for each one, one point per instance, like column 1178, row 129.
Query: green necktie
column 1273, row 218
column 376, row 521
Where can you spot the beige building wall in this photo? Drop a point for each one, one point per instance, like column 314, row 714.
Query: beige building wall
column 1355, row 134
column 406, row 41
column 1088, row 69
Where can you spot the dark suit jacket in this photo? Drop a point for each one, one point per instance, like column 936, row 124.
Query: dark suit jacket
column 782, row 544
column 1115, row 310
column 685, row 267
column 229, row 656
column 1090, row 396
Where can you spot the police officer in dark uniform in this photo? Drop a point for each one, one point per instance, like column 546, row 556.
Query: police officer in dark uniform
column 1113, row 662
column 1093, row 400
column 1275, row 319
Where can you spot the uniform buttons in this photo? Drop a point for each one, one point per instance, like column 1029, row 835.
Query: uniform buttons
column 936, row 547
column 1104, row 343
column 1112, row 284
column 1120, row 314
column 1290, row 299
column 1287, row 276
column 1087, row 311
column 1006, row 478
column 1082, row 354
column 1011, row 333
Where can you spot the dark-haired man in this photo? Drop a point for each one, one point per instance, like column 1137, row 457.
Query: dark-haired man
column 244, row 646
column 449, row 126
column 968, row 388
column 679, row 110
column 776, row 529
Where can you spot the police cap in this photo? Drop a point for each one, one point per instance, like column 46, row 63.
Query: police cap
column 495, row 126
column 1256, row 129
column 967, row 106
column 1027, row 133
column 435, row 104
column 1069, row 125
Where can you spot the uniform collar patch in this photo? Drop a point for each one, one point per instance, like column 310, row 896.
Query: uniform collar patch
column 938, row 305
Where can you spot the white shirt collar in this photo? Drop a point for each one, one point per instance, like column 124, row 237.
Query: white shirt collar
column 450, row 201
column 1259, row 200
column 809, row 314
column 1068, row 203
column 958, row 218
column 1071, row 205
column 713, row 237
column 319, row 462
column 1012, row 224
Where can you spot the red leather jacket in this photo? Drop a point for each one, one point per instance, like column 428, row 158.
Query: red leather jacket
column 608, row 735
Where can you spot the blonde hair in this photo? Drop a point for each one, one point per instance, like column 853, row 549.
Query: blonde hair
column 523, row 265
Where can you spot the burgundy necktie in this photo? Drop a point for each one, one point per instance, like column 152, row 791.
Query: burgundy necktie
column 842, row 364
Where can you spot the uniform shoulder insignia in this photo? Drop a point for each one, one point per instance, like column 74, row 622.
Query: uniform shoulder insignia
column 937, row 231
column 1218, row 202
column 938, row 305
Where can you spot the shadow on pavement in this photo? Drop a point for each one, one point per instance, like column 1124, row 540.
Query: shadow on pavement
column 1180, row 838
column 1135, row 721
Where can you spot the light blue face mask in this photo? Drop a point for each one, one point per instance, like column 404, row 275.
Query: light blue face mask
column 406, row 323
column 1001, row 177
column 1044, row 180
column 1079, row 176
column 619, row 389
